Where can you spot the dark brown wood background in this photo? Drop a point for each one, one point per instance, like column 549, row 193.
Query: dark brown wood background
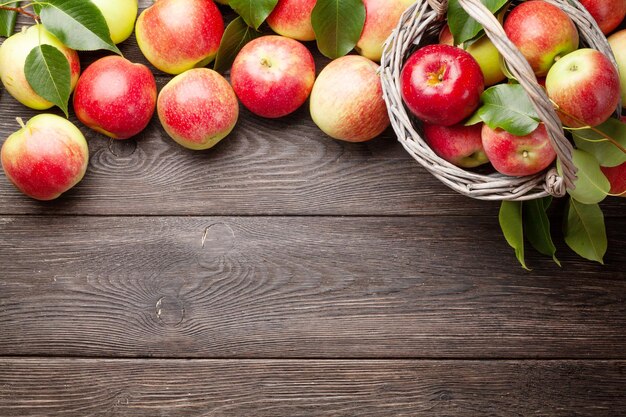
column 287, row 274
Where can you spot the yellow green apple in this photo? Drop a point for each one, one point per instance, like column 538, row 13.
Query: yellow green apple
column 381, row 17
column 13, row 53
column 120, row 16
column 618, row 45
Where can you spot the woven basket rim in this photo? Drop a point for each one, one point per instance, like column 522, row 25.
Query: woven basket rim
column 417, row 25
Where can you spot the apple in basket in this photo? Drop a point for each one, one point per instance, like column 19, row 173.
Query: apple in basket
column 585, row 86
column 542, row 32
column 617, row 179
column 618, row 45
column 518, row 155
column 607, row 13
column 441, row 84
column 458, row 144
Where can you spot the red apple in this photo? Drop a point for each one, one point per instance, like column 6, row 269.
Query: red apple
column 542, row 32
column 617, row 178
column 177, row 35
column 347, row 100
column 458, row 144
column 115, row 97
column 518, row 155
column 381, row 17
column 441, row 84
column 273, row 76
column 607, row 13
column 46, row 157
column 292, row 18
column 484, row 52
column 198, row 108
column 618, row 46
column 585, row 86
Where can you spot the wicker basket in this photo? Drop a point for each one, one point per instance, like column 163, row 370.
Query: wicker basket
column 419, row 26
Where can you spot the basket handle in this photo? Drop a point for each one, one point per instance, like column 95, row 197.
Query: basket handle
column 521, row 69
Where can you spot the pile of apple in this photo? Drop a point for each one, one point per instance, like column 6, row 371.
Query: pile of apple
column 442, row 86
column 272, row 76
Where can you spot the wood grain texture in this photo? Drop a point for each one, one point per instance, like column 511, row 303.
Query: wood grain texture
column 300, row 287
column 136, row 388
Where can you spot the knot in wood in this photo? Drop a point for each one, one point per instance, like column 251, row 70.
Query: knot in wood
column 170, row 310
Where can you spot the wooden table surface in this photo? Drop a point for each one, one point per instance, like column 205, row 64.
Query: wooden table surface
column 287, row 274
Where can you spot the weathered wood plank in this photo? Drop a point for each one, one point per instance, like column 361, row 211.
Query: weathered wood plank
column 300, row 287
column 137, row 388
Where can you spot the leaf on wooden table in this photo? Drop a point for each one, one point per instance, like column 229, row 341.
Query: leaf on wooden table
column 591, row 184
column 236, row 36
column 7, row 20
column 253, row 12
column 338, row 25
column 48, row 73
column 507, row 106
column 537, row 226
column 598, row 144
column 464, row 27
column 78, row 24
column 584, row 230
column 512, row 227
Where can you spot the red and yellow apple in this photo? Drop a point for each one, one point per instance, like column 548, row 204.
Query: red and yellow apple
column 607, row 13
column 292, row 18
column 484, row 52
column 13, row 53
column 441, row 84
column 198, row 108
column 618, row 46
column 518, row 155
column 273, row 75
column 347, row 100
column 177, row 35
column 585, row 86
column 115, row 97
column 542, row 32
column 120, row 16
column 46, row 157
column 381, row 17
column 458, row 144
column 617, row 179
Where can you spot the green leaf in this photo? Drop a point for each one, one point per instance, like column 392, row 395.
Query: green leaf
column 599, row 146
column 236, row 35
column 254, row 12
column 338, row 25
column 584, row 230
column 7, row 20
column 511, row 224
column 537, row 226
column 508, row 107
column 48, row 73
column 464, row 27
column 37, row 8
column 78, row 24
column 591, row 184
column 474, row 119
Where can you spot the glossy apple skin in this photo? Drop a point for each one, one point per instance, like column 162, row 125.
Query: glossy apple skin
column 618, row 46
column 120, row 16
column 607, row 13
column 115, row 97
column 273, row 76
column 617, row 179
column 198, row 108
column 347, row 100
column 13, row 53
column 458, row 144
column 45, row 158
column 381, row 17
column 542, row 32
column 177, row 35
column 485, row 54
column 518, row 155
column 292, row 18
column 585, row 86
column 441, row 84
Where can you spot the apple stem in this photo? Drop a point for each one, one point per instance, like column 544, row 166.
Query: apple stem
column 21, row 122
column 21, row 10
